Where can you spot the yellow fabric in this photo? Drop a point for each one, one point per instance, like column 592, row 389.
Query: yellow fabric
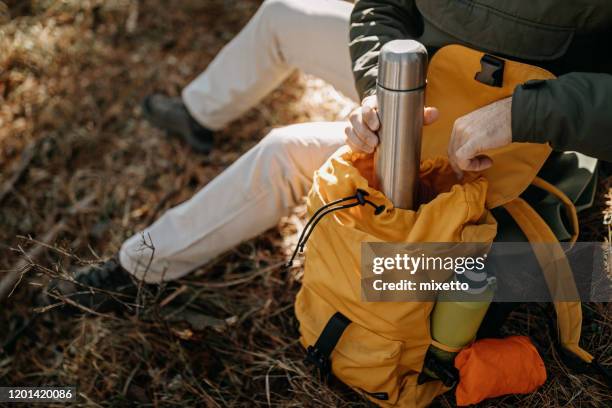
column 557, row 272
column 384, row 348
column 452, row 89
column 570, row 209
column 554, row 264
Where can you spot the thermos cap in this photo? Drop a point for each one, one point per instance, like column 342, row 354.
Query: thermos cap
column 402, row 65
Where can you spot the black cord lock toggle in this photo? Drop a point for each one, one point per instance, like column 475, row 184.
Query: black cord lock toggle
column 361, row 194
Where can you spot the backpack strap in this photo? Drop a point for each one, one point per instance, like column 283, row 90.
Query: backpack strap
column 319, row 354
column 556, row 268
column 570, row 209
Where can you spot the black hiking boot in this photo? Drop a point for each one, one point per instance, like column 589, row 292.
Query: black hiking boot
column 170, row 114
column 103, row 288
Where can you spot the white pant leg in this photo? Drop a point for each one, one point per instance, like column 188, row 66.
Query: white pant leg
column 284, row 35
column 248, row 198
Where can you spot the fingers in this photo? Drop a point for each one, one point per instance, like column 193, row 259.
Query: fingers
column 452, row 143
column 479, row 163
column 461, row 142
column 465, row 154
column 469, row 158
column 354, row 142
column 369, row 112
column 364, row 122
column 430, row 115
column 477, row 132
column 364, row 133
column 360, row 135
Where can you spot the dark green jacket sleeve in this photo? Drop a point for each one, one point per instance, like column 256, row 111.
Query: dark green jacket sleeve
column 572, row 112
column 374, row 23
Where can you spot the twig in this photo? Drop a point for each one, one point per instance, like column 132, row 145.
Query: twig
column 141, row 282
column 12, row 279
column 9, row 282
column 26, row 159
column 130, row 378
column 77, row 305
column 173, row 295
column 268, row 398
column 239, row 281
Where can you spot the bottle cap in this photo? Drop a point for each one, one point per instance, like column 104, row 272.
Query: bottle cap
column 402, row 65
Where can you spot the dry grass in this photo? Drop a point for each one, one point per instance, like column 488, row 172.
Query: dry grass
column 72, row 74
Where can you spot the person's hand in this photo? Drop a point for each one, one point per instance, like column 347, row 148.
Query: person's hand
column 486, row 128
column 363, row 122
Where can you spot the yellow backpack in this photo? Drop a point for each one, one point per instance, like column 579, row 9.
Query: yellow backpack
column 378, row 348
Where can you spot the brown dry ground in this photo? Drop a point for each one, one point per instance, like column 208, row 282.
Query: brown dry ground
column 72, row 74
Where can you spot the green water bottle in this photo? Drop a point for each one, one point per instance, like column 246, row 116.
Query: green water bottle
column 455, row 323
column 456, row 318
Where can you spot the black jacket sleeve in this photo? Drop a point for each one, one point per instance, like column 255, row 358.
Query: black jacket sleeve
column 572, row 112
column 374, row 23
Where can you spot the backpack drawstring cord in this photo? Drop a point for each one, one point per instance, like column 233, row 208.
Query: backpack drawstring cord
column 360, row 197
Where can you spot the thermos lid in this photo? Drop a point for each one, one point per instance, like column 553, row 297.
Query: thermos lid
column 402, row 65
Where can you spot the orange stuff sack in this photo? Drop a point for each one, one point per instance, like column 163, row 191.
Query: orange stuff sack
column 494, row 367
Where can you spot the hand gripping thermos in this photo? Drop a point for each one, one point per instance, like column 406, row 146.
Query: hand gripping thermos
column 402, row 69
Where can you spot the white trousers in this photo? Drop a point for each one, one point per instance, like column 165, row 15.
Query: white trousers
column 262, row 186
column 284, row 35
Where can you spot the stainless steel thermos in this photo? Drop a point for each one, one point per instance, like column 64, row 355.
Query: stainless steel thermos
column 402, row 69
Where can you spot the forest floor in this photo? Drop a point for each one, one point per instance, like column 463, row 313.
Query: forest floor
column 81, row 169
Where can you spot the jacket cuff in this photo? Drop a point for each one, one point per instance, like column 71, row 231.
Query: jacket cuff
column 524, row 118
